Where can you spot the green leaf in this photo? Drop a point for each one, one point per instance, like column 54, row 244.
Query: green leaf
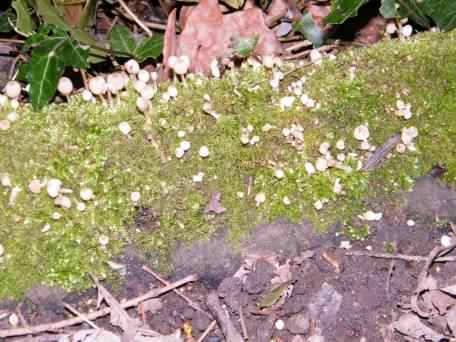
column 122, row 41
column 443, row 12
column 50, row 56
column 88, row 14
column 411, row 9
column 96, row 53
column 24, row 22
column 50, row 14
column 5, row 18
column 388, row 9
column 151, row 47
column 341, row 10
column 243, row 46
column 307, row 27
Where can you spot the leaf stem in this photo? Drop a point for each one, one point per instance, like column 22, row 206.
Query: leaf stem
column 135, row 18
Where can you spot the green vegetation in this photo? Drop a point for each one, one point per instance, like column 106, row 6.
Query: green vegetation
column 80, row 144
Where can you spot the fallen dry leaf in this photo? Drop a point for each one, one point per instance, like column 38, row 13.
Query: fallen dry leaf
column 207, row 33
column 214, row 205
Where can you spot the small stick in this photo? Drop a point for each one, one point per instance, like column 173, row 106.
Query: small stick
column 96, row 314
column 207, row 331
column 81, row 315
column 149, row 24
column 223, row 319
column 243, row 327
column 135, row 18
column 184, row 297
column 379, row 155
column 298, row 46
column 417, row 258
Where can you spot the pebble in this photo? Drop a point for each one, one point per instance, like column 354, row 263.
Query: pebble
column 279, row 324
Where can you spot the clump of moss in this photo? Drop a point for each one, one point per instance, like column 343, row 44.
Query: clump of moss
column 80, row 144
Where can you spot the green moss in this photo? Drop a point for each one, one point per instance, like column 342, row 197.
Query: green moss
column 80, row 144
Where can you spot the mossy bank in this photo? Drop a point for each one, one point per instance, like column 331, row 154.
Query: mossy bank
column 255, row 160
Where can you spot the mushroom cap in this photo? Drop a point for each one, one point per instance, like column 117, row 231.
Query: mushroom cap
column 65, row 86
column 13, row 89
column 132, row 66
column 98, row 85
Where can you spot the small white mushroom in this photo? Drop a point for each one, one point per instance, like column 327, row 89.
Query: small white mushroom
column 340, row 144
column 2, row 250
column 310, row 169
column 279, row 173
column 172, row 91
column 53, row 187
column 65, row 86
column 87, row 95
column 203, row 152
column 337, row 187
column 408, row 134
column 63, row 202
column 116, row 82
column 132, row 66
column 35, row 186
column 324, row 148
column 279, row 324
column 143, row 75
column 361, row 133
column 179, row 152
column 13, row 89
column 86, row 194
column 56, row 216
column 318, row 205
column 406, row 31
column 124, row 127
column 181, row 65
column 135, row 196
column 97, row 85
column 215, row 70
column 142, row 104
column 185, row 145
column 13, row 195
column 371, row 216
column 81, row 206
column 286, row 200
column 148, row 92
column 260, row 198
column 5, row 180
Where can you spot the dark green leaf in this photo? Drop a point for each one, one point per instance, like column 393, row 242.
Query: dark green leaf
column 341, row 10
column 388, row 9
column 24, row 22
column 443, row 12
column 413, row 10
column 88, row 14
column 50, row 56
column 50, row 14
column 96, row 53
column 149, row 48
column 122, row 41
column 307, row 27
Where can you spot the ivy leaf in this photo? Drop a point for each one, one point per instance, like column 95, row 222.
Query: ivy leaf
column 307, row 27
column 151, row 47
column 88, row 14
column 388, row 9
column 51, row 54
column 122, row 41
column 341, row 10
column 50, row 14
column 443, row 12
column 24, row 22
column 414, row 11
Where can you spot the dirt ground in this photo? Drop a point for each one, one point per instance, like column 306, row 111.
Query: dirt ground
column 324, row 294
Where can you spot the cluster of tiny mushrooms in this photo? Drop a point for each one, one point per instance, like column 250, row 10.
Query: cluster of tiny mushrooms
column 105, row 87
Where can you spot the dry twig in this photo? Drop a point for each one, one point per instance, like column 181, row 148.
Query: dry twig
column 96, row 314
column 417, row 258
column 223, row 319
column 135, row 18
column 184, row 297
column 207, row 331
